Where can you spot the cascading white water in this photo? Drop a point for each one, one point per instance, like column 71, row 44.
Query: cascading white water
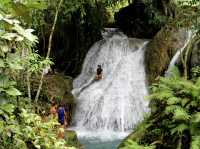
column 178, row 53
column 117, row 102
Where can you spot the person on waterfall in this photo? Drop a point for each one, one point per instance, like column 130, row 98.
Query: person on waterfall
column 99, row 72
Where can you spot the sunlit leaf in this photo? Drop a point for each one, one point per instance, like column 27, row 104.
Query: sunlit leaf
column 2, row 65
column 13, row 92
column 9, row 108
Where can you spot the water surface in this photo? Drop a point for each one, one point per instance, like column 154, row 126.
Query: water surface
column 98, row 144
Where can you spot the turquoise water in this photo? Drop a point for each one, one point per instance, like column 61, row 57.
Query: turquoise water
column 95, row 144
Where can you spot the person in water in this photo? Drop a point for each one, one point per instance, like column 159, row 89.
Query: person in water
column 99, row 72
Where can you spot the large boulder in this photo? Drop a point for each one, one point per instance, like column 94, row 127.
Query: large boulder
column 72, row 139
column 60, row 86
column 161, row 49
column 55, row 85
column 140, row 19
column 167, row 41
column 195, row 54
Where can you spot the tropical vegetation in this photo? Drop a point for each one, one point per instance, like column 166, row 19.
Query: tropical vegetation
column 29, row 35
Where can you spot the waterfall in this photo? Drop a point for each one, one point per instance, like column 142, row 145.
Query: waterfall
column 117, row 102
column 178, row 53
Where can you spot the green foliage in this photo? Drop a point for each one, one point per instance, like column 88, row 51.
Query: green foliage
column 24, row 10
column 175, row 111
column 195, row 72
column 8, row 87
column 156, row 17
column 15, row 46
column 188, row 14
column 13, row 40
column 129, row 144
column 26, row 128
column 36, row 64
column 20, row 127
column 195, row 142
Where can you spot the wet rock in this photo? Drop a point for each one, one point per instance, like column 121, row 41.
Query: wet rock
column 161, row 49
column 55, row 85
column 134, row 20
column 72, row 139
column 195, row 54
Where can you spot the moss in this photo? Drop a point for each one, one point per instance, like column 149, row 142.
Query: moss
column 166, row 42
column 72, row 139
column 57, row 85
column 138, row 133
column 161, row 50
column 54, row 85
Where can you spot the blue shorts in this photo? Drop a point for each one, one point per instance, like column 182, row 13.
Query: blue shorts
column 61, row 121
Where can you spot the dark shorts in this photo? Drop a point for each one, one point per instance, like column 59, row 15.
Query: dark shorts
column 61, row 121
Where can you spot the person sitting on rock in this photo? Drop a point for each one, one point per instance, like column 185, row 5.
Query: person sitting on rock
column 99, row 72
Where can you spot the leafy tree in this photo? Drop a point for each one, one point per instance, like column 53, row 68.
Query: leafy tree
column 20, row 127
column 49, row 48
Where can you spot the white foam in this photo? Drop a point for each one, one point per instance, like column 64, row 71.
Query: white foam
column 99, row 135
column 115, row 104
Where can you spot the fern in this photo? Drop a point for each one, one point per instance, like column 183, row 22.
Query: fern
column 179, row 129
column 195, row 144
column 181, row 114
column 171, row 109
column 185, row 101
column 175, row 109
column 161, row 95
column 175, row 73
column 197, row 83
column 173, row 100
column 129, row 144
column 196, row 118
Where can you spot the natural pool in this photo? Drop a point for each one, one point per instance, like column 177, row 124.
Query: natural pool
column 98, row 144
column 100, row 139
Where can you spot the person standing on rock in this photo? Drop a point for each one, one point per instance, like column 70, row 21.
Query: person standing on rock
column 61, row 120
column 61, row 114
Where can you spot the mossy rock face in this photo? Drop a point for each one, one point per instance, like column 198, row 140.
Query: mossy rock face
column 71, row 138
column 54, row 85
column 57, row 85
column 134, row 20
column 195, row 54
column 60, row 86
column 166, row 42
column 161, row 49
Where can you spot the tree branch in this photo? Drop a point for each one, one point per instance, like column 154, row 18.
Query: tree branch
column 49, row 49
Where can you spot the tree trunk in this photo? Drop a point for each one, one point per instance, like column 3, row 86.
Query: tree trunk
column 28, row 85
column 167, row 7
column 49, row 50
column 187, row 54
column 43, row 38
column 185, row 62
